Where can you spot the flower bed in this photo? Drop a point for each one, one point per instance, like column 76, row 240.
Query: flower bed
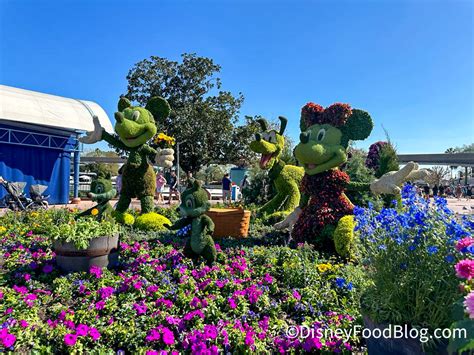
column 159, row 301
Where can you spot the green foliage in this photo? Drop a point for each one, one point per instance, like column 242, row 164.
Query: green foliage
column 151, row 221
column 344, row 236
column 101, row 169
column 260, row 189
column 171, row 213
column 201, row 119
column 358, row 172
column 62, row 225
column 410, row 262
column 388, row 160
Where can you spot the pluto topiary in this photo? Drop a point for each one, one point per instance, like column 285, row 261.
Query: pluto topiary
column 285, row 178
column 196, row 224
column 324, row 215
column 135, row 126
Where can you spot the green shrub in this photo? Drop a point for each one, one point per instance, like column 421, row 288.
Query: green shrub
column 151, row 222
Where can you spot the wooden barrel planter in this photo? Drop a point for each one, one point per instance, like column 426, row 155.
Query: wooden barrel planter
column 230, row 222
column 102, row 252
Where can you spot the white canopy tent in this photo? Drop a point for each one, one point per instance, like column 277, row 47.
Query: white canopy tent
column 31, row 107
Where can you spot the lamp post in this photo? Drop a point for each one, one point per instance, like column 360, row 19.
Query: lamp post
column 177, row 162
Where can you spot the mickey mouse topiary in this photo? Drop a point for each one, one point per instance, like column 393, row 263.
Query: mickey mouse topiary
column 135, row 126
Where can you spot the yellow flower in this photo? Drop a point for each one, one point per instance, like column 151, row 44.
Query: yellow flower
column 324, row 267
column 2, row 229
column 95, row 212
column 34, row 214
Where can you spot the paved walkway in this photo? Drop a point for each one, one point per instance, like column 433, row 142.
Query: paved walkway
column 462, row 207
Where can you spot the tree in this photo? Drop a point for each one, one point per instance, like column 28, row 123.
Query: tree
column 203, row 116
column 438, row 173
column 466, row 148
column 101, row 169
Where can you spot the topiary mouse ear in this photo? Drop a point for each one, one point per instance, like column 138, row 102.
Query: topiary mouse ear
column 358, row 126
column 197, row 184
column 159, row 108
column 123, row 103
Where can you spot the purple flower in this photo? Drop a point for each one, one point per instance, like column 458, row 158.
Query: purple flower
column 94, row 333
column 48, row 268
column 8, row 340
column 96, row 271
column 82, row 330
column 232, row 303
column 100, row 305
column 168, row 336
column 140, row 308
column 70, row 339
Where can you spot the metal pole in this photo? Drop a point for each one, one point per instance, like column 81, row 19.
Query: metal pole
column 77, row 159
column 177, row 164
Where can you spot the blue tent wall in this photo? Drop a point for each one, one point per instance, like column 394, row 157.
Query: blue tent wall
column 32, row 163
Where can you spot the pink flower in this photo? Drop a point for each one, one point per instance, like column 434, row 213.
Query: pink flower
column 82, row 330
column 138, row 285
column 232, row 303
column 464, row 243
column 296, row 295
column 249, row 339
column 168, row 336
column 153, row 335
column 268, row 278
column 469, row 304
column 23, row 323
column 8, row 340
column 100, row 305
column 140, row 308
column 465, row 269
column 70, row 339
column 96, row 271
column 94, row 333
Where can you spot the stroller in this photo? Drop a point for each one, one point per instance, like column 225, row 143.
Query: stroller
column 40, row 201
column 16, row 200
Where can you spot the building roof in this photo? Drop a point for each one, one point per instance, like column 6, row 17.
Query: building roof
column 25, row 106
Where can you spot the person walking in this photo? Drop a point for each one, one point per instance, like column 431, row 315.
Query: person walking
column 160, row 183
column 173, row 184
column 226, row 186
column 435, row 190
column 426, row 190
column 458, row 191
column 468, row 192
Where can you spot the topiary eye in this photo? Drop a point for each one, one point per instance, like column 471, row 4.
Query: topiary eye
column 135, row 115
column 272, row 137
column 189, row 203
column 321, row 135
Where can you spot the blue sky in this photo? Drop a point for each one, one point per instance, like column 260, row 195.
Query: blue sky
column 409, row 63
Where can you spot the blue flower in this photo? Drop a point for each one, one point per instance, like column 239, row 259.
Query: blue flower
column 449, row 258
column 349, row 286
column 432, row 249
column 340, row 282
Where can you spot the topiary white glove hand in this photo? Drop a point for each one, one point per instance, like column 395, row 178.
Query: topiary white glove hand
column 289, row 221
column 95, row 135
column 164, row 157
